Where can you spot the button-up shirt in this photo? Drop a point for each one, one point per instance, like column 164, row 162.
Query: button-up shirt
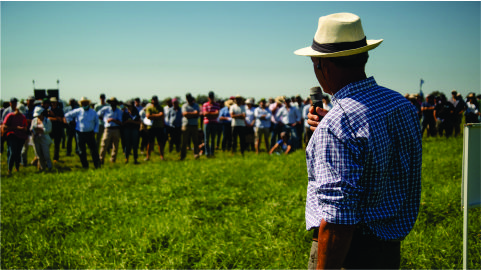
column 289, row 116
column 85, row 120
column 175, row 117
column 107, row 112
column 364, row 162
column 224, row 112
column 262, row 122
column 249, row 115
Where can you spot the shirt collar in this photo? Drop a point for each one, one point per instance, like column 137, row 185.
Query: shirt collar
column 355, row 87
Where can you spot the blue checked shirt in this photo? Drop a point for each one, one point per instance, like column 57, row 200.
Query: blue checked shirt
column 364, row 162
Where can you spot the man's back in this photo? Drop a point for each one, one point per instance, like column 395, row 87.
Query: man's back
column 364, row 162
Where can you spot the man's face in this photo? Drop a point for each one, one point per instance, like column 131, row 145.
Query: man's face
column 54, row 105
column 262, row 104
column 154, row 101
column 137, row 103
column 30, row 102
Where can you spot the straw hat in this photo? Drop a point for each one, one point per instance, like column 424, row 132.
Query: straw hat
column 38, row 111
column 53, row 99
column 112, row 99
column 228, row 103
column 339, row 34
column 84, row 100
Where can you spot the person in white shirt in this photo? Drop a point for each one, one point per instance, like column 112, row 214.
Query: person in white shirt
column 238, row 115
column 262, row 124
column 291, row 117
column 250, row 121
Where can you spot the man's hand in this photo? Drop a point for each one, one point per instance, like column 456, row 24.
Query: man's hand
column 334, row 241
column 313, row 119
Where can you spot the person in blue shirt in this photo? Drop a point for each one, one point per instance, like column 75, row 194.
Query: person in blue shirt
column 112, row 117
column 86, row 126
column 285, row 144
column 364, row 158
column 225, row 122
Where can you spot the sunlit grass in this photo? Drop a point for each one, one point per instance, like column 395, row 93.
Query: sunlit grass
column 226, row 212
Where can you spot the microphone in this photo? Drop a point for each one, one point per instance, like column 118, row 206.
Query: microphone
column 316, row 97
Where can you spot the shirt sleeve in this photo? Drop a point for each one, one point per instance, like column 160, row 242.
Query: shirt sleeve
column 335, row 175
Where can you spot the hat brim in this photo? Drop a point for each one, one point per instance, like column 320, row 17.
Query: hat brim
column 308, row 51
column 84, row 101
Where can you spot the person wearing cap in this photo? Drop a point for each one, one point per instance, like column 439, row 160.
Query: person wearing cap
column 86, row 125
column 41, row 128
column 190, row 122
column 15, row 129
column 130, row 131
column 250, row 122
column 262, row 117
column 155, row 113
column 364, row 158
column 175, row 123
column 112, row 118
column 210, row 110
column 238, row 114
column 56, row 116
column 97, row 108
column 225, row 122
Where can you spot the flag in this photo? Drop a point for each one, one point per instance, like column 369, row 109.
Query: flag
column 422, row 82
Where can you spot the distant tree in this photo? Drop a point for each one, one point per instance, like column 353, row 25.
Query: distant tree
column 201, row 99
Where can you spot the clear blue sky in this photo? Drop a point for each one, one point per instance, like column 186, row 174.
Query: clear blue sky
column 137, row 49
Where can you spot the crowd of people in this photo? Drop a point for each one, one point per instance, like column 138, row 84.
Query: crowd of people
column 279, row 125
column 443, row 117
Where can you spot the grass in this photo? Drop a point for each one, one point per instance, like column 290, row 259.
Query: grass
column 227, row 212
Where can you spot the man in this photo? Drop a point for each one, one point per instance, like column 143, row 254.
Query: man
column 427, row 109
column 138, row 105
column 112, row 118
column 225, row 124
column 210, row 110
column 97, row 108
column 175, row 122
column 190, row 122
column 72, row 105
column 250, row 121
column 459, row 109
column 29, row 116
column 276, row 124
column 364, row 158
column 168, row 127
column 155, row 113
column 15, row 128
column 262, row 124
column 55, row 114
column 86, row 125
column 238, row 115
column 444, row 114
column 290, row 117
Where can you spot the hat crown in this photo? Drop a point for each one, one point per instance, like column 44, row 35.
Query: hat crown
column 339, row 27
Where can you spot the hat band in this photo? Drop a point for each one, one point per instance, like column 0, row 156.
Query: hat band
column 338, row 47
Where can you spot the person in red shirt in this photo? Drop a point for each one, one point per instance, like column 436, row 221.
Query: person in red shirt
column 15, row 128
column 210, row 111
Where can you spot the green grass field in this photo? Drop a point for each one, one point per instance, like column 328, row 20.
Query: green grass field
column 227, row 212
